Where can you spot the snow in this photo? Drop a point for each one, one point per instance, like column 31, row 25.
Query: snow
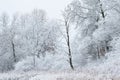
column 50, row 62
column 34, row 47
column 66, row 75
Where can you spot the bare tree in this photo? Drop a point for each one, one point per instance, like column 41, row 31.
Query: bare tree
column 13, row 30
column 67, row 19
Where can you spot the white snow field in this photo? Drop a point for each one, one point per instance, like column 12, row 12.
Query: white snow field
column 68, row 75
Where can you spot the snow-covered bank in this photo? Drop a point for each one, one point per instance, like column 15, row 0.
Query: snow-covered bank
column 58, row 76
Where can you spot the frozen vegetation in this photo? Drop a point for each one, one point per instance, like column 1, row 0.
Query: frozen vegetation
column 67, row 75
column 83, row 45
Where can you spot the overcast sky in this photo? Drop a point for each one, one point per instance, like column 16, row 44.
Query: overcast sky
column 52, row 7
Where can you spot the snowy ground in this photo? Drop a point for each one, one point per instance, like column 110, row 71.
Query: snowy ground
column 57, row 76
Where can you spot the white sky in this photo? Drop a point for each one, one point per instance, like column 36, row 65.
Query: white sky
column 52, row 7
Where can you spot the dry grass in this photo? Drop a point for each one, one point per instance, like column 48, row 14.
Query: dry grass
column 34, row 75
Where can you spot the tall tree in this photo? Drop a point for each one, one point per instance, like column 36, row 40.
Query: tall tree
column 67, row 21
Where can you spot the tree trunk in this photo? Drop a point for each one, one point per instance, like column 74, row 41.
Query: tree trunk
column 34, row 61
column 69, row 47
column 98, row 52
column 13, row 51
column 101, row 9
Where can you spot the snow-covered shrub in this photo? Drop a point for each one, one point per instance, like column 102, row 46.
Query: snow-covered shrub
column 49, row 62
column 110, row 64
column 25, row 64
